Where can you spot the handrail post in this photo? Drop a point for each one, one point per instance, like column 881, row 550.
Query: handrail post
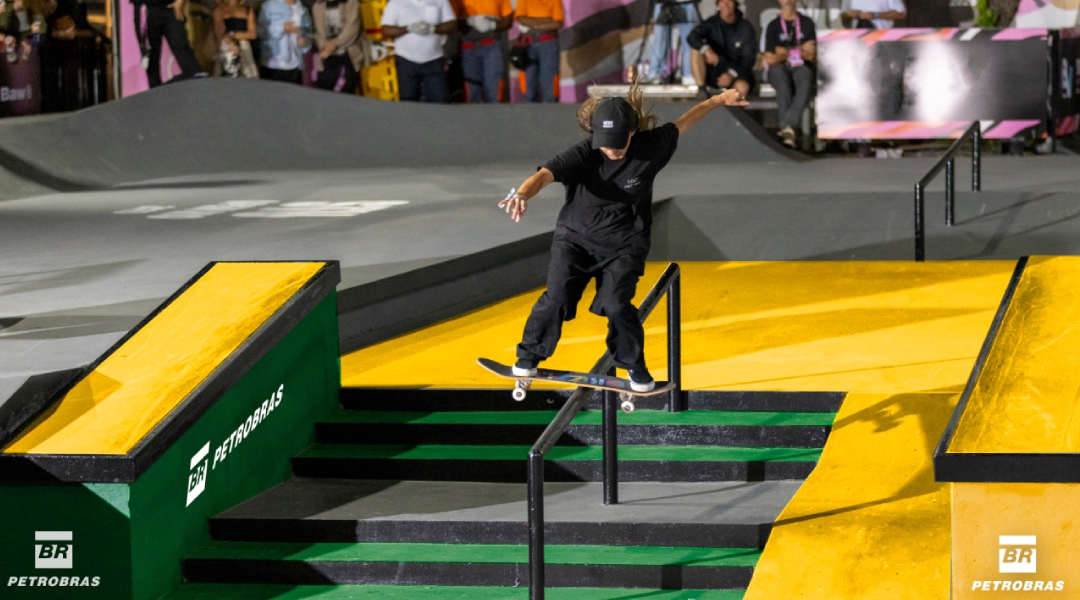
column 610, row 426
column 920, row 239
column 536, row 525
column 976, row 160
column 677, row 403
column 950, row 191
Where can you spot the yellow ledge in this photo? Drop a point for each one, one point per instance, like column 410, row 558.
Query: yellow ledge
column 1025, row 400
column 135, row 387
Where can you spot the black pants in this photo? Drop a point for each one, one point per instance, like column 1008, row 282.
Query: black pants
column 421, row 80
column 334, row 67
column 287, row 75
column 161, row 22
column 570, row 270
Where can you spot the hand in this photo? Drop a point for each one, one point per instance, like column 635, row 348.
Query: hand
column 291, row 27
column 327, row 49
column 515, row 205
column 420, row 28
column 854, row 14
column 866, row 15
column 301, row 42
column 725, row 80
column 481, row 23
column 711, row 57
column 731, row 97
column 781, row 53
column 178, row 9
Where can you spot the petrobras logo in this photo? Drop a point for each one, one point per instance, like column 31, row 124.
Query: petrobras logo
column 608, row 124
column 197, row 476
column 201, row 465
column 53, row 550
column 1018, row 554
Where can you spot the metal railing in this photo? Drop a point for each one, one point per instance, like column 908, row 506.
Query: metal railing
column 948, row 162
column 667, row 283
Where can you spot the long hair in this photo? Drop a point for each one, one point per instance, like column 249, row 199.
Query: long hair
column 646, row 120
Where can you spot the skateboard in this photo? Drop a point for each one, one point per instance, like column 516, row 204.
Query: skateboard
column 593, row 380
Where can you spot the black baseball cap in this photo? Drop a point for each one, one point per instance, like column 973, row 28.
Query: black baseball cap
column 612, row 123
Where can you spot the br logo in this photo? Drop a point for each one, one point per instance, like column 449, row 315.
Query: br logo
column 55, row 552
column 197, row 475
column 1016, row 554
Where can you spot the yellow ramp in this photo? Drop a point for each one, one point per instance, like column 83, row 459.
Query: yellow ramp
column 135, row 387
column 901, row 338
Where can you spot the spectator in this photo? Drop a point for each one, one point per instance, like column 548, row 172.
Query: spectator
column 539, row 22
column 21, row 19
column 337, row 35
column 418, row 28
column 724, row 50
column 285, row 35
column 683, row 15
column 234, row 28
column 790, row 51
column 872, row 14
column 482, row 58
column 164, row 18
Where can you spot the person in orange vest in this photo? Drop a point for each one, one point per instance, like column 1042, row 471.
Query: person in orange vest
column 482, row 58
column 539, row 22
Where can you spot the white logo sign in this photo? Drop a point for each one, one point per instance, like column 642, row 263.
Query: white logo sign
column 55, row 553
column 1016, row 554
column 197, row 476
column 608, row 124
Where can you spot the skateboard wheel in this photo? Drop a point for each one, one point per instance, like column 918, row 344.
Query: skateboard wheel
column 518, row 394
column 627, row 406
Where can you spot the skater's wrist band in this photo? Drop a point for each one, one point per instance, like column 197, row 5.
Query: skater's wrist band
column 519, row 197
column 733, row 73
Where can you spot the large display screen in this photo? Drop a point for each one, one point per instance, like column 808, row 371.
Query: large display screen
column 930, row 83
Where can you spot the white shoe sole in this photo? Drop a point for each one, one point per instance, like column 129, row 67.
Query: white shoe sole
column 643, row 387
column 519, row 372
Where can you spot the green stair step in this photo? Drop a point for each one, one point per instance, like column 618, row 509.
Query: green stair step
column 626, row 452
column 479, row 553
column 587, row 417
column 216, row 591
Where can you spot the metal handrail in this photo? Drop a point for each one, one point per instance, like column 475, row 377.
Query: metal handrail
column 947, row 162
column 667, row 283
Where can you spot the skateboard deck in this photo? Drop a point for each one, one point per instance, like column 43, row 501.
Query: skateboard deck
column 593, row 380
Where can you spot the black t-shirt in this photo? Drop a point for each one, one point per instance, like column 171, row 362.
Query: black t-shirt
column 608, row 206
column 774, row 35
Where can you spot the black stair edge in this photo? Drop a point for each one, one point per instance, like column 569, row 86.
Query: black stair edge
column 691, row 535
column 513, row 471
column 447, row 399
column 774, row 436
column 291, row 572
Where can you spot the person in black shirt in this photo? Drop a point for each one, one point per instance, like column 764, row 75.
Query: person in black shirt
column 724, row 49
column 790, row 51
column 603, row 228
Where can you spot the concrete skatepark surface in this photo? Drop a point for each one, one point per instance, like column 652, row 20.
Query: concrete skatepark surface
column 105, row 212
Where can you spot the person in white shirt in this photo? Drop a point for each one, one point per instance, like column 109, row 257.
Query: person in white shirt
column 418, row 29
column 881, row 14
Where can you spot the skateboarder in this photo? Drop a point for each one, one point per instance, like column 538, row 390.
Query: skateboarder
column 603, row 228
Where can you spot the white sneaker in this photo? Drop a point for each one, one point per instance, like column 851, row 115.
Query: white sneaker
column 524, row 368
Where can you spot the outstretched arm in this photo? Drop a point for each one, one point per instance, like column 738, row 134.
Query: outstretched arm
column 690, row 118
column 516, row 203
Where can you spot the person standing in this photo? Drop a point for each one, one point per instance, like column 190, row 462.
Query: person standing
column 285, row 33
column 790, row 52
column 482, row 59
column 539, row 22
column 603, row 229
column 165, row 19
column 337, row 35
column 681, row 16
column 234, row 27
column 418, row 29
column 724, row 49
